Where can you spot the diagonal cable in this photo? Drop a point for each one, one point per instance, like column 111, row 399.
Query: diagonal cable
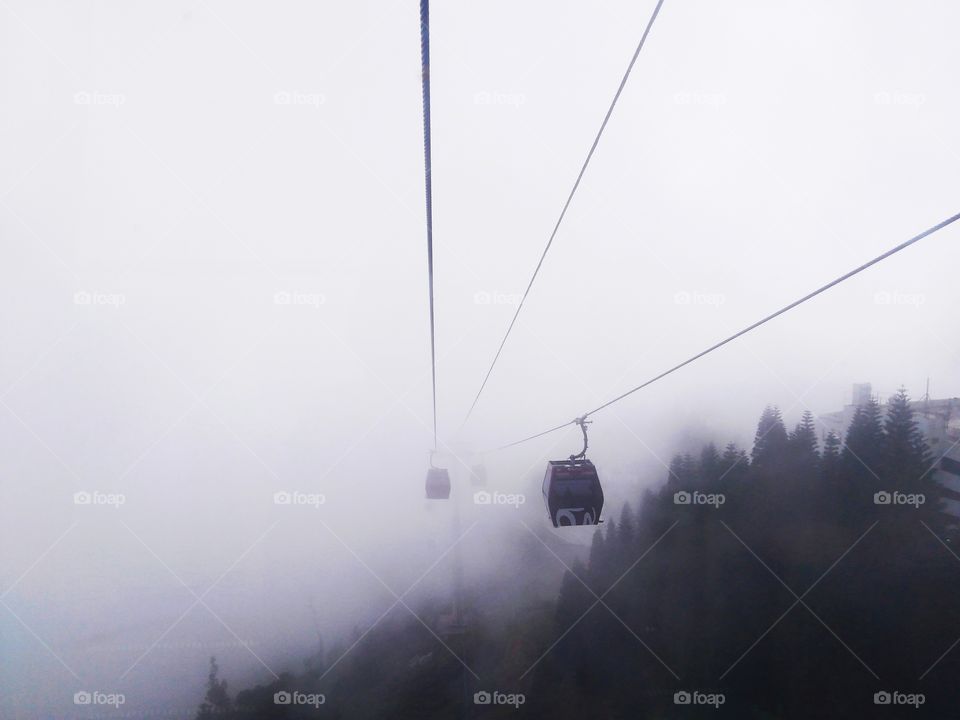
column 823, row 288
column 566, row 205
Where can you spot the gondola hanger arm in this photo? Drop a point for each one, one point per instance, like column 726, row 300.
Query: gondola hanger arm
column 582, row 422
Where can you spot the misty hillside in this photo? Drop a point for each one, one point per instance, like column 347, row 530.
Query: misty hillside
column 771, row 578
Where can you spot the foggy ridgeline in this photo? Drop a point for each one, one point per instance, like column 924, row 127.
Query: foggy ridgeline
column 861, row 598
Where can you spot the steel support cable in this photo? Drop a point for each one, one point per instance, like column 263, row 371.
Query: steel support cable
column 428, row 167
column 744, row 331
column 566, row 205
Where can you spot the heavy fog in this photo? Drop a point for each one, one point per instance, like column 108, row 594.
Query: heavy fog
column 214, row 291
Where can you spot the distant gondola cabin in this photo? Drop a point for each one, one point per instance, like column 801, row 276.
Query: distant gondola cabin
column 438, row 484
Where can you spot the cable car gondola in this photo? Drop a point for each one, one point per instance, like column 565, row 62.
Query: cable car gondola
column 438, row 482
column 571, row 489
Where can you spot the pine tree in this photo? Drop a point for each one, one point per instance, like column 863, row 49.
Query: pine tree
column 803, row 444
column 651, row 518
column 675, row 471
column 906, row 456
column 798, row 476
column 770, row 442
column 683, row 472
column 316, row 664
column 612, row 538
column 597, row 549
column 598, row 563
column 860, row 462
column 862, row 451
column 733, row 479
column 217, row 701
column 710, row 468
column 830, row 462
column 829, row 490
column 626, row 527
column 573, row 599
column 734, row 466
